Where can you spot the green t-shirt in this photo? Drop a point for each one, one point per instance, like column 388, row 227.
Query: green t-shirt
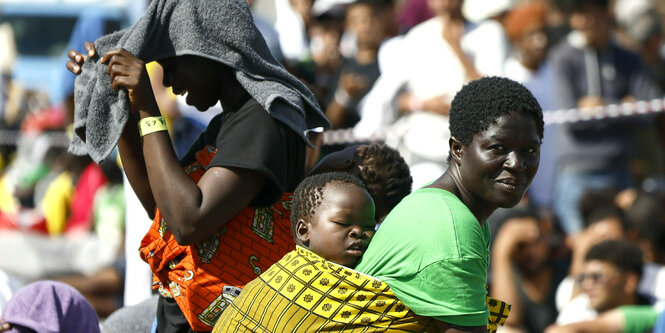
column 638, row 318
column 434, row 255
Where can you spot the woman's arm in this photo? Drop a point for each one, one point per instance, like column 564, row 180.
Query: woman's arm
column 609, row 322
column 192, row 211
column 129, row 144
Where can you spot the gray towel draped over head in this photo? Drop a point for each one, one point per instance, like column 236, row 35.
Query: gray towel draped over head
column 221, row 30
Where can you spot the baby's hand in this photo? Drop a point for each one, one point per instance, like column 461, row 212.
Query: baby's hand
column 77, row 59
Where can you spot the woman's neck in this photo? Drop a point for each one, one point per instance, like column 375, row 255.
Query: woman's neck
column 234, row 98
column 450, row 181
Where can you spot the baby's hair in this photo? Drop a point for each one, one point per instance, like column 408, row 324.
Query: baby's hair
column 309, row 194
column 385, row 174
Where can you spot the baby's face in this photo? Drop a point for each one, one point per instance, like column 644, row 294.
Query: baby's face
column 343, row 224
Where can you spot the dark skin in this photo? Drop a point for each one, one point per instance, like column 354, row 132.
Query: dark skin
column 192, row 211
column 493, row 170
column 361, row 20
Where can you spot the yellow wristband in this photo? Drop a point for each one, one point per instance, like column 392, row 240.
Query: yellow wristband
column 151, row 124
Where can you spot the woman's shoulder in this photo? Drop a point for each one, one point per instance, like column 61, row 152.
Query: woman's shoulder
column 428, row 203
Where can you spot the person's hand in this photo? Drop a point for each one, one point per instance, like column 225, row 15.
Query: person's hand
column 558, row 329
column 588, row 104
column 352, row 83
column 77, row 59
column 513, row 233
column 129, row 72
column 626, row 198
column 437, row 104
column 4, row 326
column 408, row 102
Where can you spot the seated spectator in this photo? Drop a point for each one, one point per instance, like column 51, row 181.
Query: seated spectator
column 48, row 306
column 319, row 68
column 591, row 70
column 526, row 29
column 624, row 319
column 358, row 73
column 434, row 60
column 646, row 216
column 609, row 279
column 604, row 222
column 523, row 272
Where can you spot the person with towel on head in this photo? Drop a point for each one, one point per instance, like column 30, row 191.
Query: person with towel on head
column 209, row 235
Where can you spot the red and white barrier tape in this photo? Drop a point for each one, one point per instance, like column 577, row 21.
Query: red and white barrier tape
column 346, row 136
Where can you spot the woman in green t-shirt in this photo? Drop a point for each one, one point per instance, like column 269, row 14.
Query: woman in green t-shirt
column 433, row 248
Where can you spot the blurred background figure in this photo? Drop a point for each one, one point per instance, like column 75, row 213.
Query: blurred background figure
column 48, row 306
column 524, row 271
column 608, row 280
column 592, row 70
column 526, row 28
column 268, row 32
column 602, row 221
column 357, row 74
column 293, row 19
column 645, row 214
column 7, row 58
column 437, row 57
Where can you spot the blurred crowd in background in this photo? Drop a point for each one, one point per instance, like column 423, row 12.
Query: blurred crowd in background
column 383, row 70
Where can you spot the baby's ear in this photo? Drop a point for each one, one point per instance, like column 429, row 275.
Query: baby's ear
column 302, row 232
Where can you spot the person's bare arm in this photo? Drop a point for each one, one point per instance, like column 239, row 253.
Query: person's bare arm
column 609, row 322
column 409, row 102
column 452, row 33
column 192, row 211
column 510, row 235
column 349, row 87
column 129, row 144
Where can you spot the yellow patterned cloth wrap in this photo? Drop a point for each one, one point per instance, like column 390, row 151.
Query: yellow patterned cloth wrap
column 306, row 293
column 499, row 311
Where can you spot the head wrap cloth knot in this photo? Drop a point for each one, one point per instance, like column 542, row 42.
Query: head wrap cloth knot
column 221, row 30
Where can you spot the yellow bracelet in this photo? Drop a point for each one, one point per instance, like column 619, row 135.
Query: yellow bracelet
column 151, row 124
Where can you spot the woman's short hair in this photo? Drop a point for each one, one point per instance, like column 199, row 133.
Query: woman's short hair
column 482, row 102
